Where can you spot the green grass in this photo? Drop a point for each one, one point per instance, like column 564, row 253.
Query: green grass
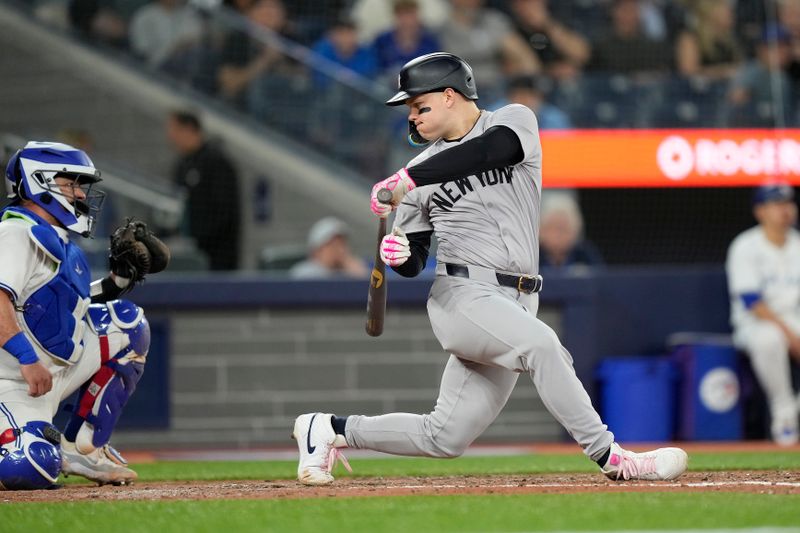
column 411, row 514
column 518, row 464
column 543, row 512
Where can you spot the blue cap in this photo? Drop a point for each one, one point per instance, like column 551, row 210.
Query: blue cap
column 773, row 192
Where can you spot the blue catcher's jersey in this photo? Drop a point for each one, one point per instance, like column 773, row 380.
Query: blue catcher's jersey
column 54, row 306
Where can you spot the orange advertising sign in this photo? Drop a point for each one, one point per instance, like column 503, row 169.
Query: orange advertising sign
column 669, row 158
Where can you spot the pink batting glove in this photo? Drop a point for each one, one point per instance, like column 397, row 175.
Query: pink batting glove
column 395, row 249
column 399, row 183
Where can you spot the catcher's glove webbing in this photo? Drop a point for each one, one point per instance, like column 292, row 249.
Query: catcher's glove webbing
column 135, row 252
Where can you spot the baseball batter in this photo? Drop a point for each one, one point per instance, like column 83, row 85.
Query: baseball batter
column 763, row 270
column 59, row 332
column 477, row 186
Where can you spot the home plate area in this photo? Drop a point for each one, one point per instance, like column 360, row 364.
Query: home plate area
column 773, row 482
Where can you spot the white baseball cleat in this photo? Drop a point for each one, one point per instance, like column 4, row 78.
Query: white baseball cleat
column 663, row 464
column 318, row 446
column 103, row 465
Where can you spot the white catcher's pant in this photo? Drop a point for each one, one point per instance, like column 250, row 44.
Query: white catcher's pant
column 17, row 408
column 493, row 335
column 768, row 349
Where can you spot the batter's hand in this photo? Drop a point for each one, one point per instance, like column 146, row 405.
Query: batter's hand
column 395, row 249
column 399, row 183
column 38, row 378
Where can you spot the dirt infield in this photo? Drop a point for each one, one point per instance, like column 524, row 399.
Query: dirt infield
column 783, row 482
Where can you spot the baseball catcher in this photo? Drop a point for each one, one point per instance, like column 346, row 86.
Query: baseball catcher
column 61, row 332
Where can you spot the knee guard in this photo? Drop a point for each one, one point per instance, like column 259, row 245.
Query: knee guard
column 119, row 323
column 30, row 457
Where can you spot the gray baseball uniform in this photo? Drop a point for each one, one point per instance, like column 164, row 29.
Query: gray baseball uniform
column 488, row 222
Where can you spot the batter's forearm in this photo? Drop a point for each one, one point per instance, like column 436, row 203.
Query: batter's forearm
column 497, row 147
column 419, row 244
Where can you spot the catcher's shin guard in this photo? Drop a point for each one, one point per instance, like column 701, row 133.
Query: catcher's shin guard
column 121, row 327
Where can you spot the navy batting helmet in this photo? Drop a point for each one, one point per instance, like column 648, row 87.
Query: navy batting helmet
column 431, row 72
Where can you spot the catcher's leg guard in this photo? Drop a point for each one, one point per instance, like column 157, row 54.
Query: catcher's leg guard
column 124, row 336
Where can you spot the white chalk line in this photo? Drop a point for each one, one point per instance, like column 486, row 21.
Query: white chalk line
column 704, row 484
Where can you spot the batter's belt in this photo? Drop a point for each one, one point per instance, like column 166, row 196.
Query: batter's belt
column 522, row 282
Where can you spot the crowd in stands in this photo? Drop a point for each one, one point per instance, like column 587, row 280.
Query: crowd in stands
column 604, row 63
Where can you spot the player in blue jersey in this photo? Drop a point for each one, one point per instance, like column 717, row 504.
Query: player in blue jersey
column 59, row 331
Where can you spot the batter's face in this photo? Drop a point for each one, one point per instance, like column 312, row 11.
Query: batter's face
column 429, row 112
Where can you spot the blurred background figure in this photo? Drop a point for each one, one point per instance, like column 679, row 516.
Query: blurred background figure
column 763, row 269
column 560, row 235
column 340, row 45
column 760, row 93
column 406, row 39
column 531, row 91
column 789, row 18
column 102, row 21
column 562, row 52
column 257, row 76
column 486, row 39
column 204, row 171
column 625, row 48
column 375, row 16
column 162, row 29
column 329, row 253
column 709, row 46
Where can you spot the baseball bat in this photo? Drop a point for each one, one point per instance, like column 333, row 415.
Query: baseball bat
column 376, row 296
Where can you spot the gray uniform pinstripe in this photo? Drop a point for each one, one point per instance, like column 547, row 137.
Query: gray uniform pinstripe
column 491, row 221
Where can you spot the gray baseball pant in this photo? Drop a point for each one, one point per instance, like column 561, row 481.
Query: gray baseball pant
column 492, row 334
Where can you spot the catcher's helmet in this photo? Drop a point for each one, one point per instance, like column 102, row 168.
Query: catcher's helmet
column 31, row 173
column 432, row 72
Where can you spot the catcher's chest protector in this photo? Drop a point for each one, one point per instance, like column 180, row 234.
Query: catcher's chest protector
column 54, row 313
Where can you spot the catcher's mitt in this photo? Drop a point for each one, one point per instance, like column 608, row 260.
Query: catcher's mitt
column 135, row 251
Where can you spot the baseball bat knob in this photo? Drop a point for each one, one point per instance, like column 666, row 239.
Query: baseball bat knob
column 384, row 196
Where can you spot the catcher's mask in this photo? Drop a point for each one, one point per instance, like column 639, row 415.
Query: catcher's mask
column 31, row 175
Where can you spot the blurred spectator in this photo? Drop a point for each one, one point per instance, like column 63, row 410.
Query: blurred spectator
column 407, row 39
column 763, row 268
column 329, row 253
column 374, row 17
column 789, row 17
column 625, row 48
column 531, row 91
column 751, row 17
column 709, row 47
column 164, row 28
column 212, row 186
column 340, row 45
column 245, row 59
column 760, row 92
column 100, row 20
column 486, row 39
column 561, row 227
column 242, row 6
column 310, row 20
column 561, row 51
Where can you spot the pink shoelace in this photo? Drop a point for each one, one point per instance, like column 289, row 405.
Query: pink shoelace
column 632, row 467
column 335, row 455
